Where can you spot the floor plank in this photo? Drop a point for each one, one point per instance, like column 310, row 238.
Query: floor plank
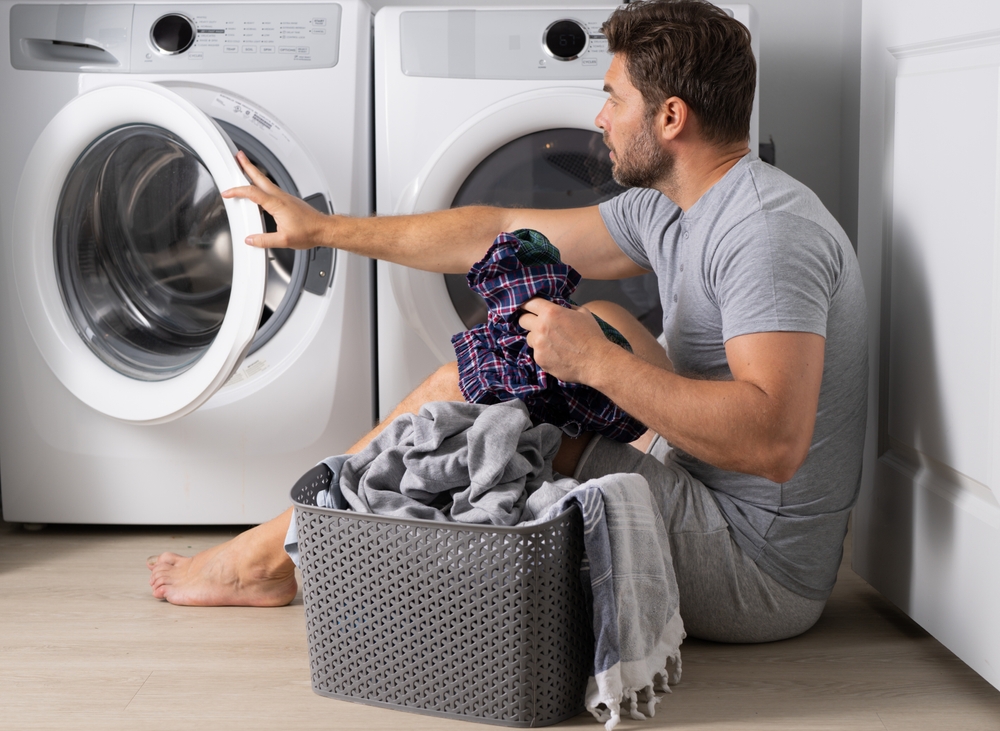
column 83, row 645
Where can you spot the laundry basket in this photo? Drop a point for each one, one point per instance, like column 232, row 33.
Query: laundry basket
column 463, row 621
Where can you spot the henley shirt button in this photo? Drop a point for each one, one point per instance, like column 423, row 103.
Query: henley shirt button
column 686, row 234
column 675, row 298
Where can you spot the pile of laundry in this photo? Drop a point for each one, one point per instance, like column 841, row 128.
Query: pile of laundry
column 490, row 464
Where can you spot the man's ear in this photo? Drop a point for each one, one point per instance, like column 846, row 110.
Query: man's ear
column 673, row 117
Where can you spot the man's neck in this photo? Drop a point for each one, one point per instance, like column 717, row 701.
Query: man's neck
column 696, row 171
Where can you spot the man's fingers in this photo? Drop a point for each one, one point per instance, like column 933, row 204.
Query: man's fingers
column 527, row 320
column 249, row 192
column 266, row 241
column 256, row 176
column 536, row 305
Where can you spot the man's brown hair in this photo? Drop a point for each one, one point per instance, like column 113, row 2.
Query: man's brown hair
column 692, row 50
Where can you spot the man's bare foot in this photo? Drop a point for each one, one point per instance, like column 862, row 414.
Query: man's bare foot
column 250, row 570
column 253, row 568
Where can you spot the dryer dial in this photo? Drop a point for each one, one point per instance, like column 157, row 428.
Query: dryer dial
column 172, row 34
column 565, row 40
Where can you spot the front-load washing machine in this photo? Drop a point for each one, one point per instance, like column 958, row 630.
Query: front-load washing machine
column 154, row 368
column 492, row 106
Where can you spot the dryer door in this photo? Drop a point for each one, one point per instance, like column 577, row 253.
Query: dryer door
column 130, row 267
column 539, row 150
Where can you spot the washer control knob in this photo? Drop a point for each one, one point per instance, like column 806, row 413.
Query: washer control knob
column 565, row 40
column 172, row 34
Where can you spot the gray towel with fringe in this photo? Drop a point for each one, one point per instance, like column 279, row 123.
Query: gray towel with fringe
column 629, row 576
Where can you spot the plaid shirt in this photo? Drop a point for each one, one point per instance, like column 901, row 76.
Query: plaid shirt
column 495, row 362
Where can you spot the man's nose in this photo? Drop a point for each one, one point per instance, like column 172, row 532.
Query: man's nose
column 599, row 119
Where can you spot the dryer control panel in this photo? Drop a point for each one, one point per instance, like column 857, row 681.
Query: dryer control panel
column 187, row 38
column 562, row 43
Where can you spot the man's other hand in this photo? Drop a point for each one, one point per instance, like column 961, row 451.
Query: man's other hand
column 300, row 226
column 567, row 343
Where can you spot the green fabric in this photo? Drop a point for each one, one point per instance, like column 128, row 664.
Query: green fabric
column 537, row 250
column 612, row 334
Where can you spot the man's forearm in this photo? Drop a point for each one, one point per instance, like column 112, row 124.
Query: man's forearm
column 760, row 422
column 449, row 241
column 733, row 425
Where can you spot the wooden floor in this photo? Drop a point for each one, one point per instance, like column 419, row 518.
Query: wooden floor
column 83, row 645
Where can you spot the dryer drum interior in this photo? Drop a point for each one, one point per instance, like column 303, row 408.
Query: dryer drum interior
column 555, row 168
column 144, row 254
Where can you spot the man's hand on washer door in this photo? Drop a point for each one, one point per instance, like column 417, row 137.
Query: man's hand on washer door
column 300, row 226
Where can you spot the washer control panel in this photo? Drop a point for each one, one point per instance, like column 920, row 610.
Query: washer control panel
column 487, row 43
column 151, row 39
column 243, row 37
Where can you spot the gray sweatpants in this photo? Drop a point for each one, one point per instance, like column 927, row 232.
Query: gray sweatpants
column 724, row 596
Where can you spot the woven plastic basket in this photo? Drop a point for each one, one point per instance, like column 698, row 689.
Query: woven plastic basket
column 462, row 621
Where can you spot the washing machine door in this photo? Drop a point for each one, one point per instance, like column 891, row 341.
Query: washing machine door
column 131, row 269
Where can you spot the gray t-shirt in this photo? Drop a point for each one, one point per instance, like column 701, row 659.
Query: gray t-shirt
column 759, row 253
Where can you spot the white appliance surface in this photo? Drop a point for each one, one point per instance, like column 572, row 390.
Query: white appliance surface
column 153, row 368
column 472, row 104
column 926, row 527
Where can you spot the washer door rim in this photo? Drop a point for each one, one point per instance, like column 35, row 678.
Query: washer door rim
column 68, row 134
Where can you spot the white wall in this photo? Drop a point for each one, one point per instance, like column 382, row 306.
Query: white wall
column 810, row 86
column 810, row 65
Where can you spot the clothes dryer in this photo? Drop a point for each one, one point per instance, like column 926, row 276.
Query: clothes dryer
column 154, row 368
column 493, row 106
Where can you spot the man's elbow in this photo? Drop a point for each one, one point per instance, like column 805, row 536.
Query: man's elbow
column 785, row 460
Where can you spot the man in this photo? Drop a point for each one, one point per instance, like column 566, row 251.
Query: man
column 762, row 392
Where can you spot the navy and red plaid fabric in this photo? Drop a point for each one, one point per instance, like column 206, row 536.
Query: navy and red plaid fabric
column 494, row 361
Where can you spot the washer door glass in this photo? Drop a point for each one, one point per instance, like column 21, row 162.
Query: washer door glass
column 144, row 254
column 555, row 168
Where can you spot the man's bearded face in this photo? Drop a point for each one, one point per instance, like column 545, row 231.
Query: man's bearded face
column 640, row 162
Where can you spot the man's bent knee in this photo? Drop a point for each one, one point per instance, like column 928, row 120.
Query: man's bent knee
column 442, row 384
column 611, row 312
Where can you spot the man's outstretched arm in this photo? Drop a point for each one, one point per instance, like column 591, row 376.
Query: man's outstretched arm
column 759, row 423
column 448, row 241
